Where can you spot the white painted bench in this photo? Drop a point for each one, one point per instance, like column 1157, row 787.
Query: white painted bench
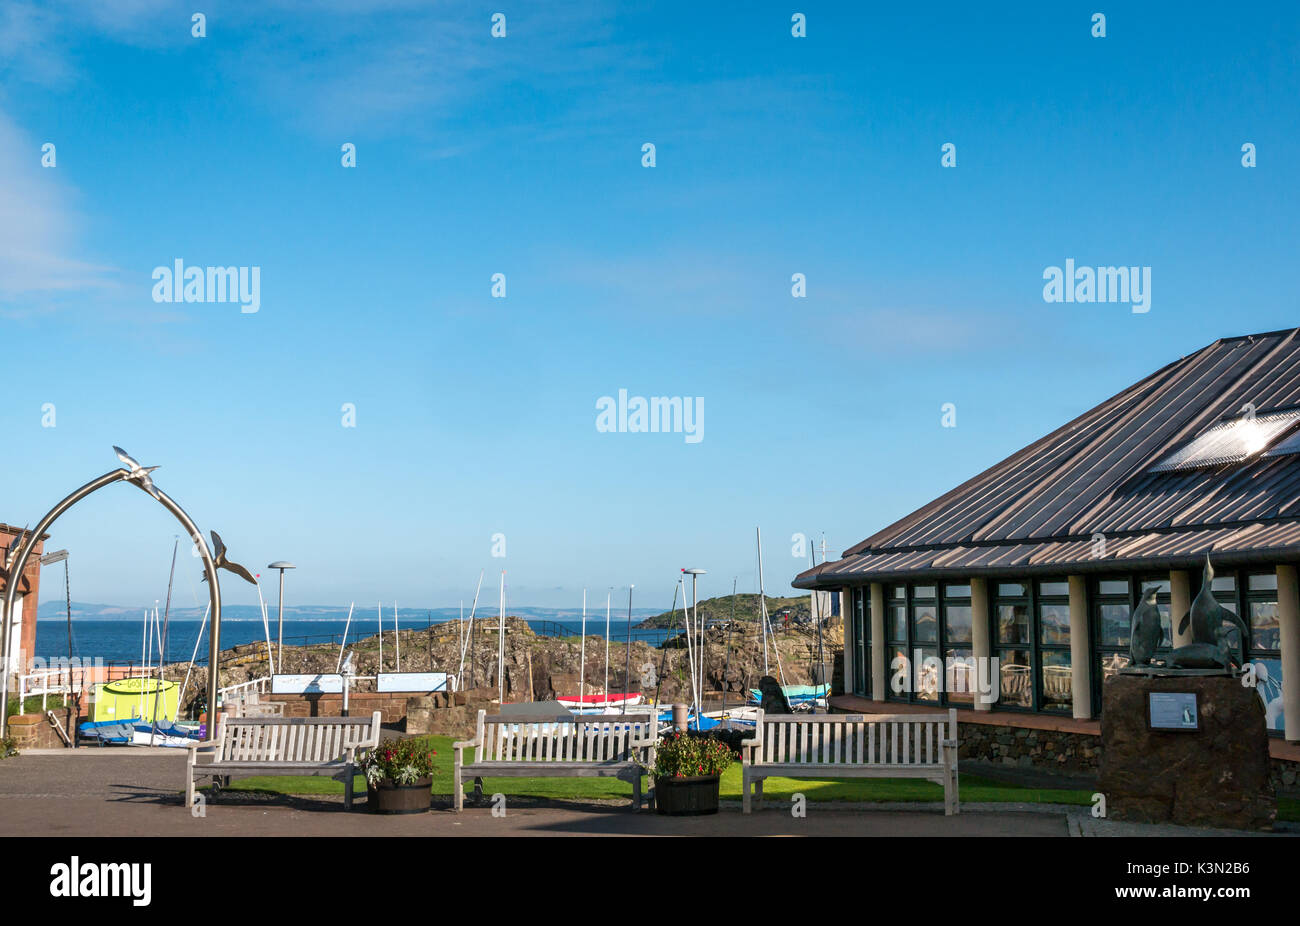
column 284, row 746
column 853, row 746
column 594, row 746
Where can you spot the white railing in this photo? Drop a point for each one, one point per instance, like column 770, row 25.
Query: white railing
column 61, row 680
column 242, row 691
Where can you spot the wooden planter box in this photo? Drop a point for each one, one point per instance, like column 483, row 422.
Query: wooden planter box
column 388, row 797
column 679, row 797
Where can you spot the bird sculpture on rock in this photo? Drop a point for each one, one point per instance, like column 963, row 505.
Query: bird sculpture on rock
column 1207, row 616
column 1204, row 622
column 1145, row 631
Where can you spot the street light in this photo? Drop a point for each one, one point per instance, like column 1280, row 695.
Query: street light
column 279, row 644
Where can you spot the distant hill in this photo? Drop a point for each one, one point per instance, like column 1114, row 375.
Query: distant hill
column 746, row 609
column 56, row 610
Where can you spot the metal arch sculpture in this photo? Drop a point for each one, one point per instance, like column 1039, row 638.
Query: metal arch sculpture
column 138, row 475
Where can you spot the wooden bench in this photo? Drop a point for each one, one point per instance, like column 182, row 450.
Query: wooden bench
column 594, row 746
column 853, row 746
column 284, row 746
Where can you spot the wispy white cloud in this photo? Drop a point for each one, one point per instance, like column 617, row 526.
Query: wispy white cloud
column 39, row 257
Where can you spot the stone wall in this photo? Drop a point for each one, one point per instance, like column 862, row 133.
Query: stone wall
column 1028, row 748
column 1073, row 753
column 453, row 714
column 34, row 731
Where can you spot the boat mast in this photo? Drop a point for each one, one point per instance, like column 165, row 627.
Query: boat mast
column 582, row 658
column 762, row 598
column 266, row 630
column 726, row 665
column 690, row 641
column 767, row 621
column 380, row 607
column 627, row 658
column 348, row 623
column 501, row 644
column 663, row 656
column 469, row 633
column 193, row 656
column 162, row 656
column 397, row 637
column 608, row 596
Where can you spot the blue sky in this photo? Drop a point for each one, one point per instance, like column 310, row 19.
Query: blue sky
column 521, row 155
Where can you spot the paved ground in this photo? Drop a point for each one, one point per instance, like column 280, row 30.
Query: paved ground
column 92, row 794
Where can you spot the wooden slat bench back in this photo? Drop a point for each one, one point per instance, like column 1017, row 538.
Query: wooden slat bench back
column 853, row 746
column 601, row 745
column 293, row 739
column 598, row 739
column 854, row 739
column 285, row 745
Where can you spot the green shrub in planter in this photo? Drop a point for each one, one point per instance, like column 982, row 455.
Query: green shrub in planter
column 686, row 774
column 398, row 775
column 683, row 755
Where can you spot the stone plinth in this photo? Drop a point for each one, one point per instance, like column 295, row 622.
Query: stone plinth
column 1217, row 775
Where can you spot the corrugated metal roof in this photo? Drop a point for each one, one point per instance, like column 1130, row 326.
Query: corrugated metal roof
column 1042, row 506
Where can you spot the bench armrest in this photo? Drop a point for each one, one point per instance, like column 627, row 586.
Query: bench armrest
column 474, row 743
column 748, row 746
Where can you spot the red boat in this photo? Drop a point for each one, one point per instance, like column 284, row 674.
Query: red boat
column 612, row 699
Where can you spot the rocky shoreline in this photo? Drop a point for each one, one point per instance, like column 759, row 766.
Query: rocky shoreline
column 539, row 668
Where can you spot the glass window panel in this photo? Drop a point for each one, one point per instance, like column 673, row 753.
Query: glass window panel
column 1053, row 624
column 1287, row 445
column 926, row 678
column 1224, row 584
column 1268, row 685
column 1112, row 587
column 1054, row 589
column 898, row 591
column 1264, row 633
column 1013, row 623
column 925, row 626
column 958, row 618
column 898, row 623
column 1263, row 583
column 1162, row 584
column 1114, row 626
column 1017, row 683
column 1228, row 442
column 1111, row 663
column 960, row 680
column 923, row 591
column 956, row 591
column 1012, row 590
column 1056, row 681
column 898, row 667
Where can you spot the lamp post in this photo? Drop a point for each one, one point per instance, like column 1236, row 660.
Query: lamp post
column 279, row 632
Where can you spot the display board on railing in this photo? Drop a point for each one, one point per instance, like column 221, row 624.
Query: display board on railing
column 412, row 681
column 307, row 684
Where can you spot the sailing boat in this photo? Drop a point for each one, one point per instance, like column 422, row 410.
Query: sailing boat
column 608, row 702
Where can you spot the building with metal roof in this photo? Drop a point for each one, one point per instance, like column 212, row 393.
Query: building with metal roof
column 1040, row 559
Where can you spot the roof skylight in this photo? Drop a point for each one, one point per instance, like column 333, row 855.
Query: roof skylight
column 1287, row 445
column 1232, row 442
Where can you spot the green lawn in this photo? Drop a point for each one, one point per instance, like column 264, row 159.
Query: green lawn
column 972, row 787
column 32, row 705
